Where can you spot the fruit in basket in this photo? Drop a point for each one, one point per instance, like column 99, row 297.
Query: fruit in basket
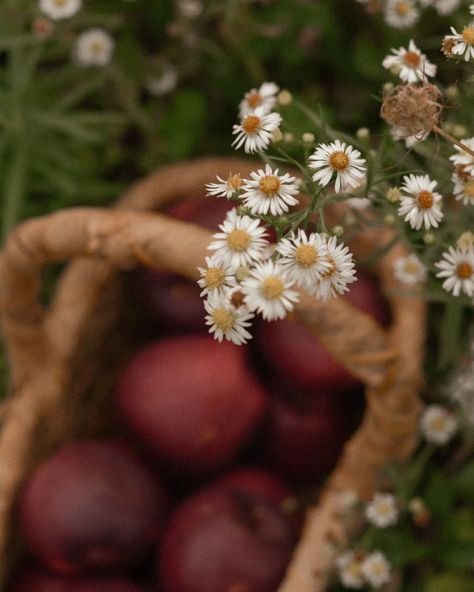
column 296, row 356
column 220, row 541
column 34, row 580
column 193, row 402
column 305, row 435
column 94, row 506
column 256, row 481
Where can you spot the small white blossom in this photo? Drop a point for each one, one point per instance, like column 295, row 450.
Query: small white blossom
column 337, row 158
column 227, row 321
column 445, row 7
column 464, row 187
column 409, row 270
column 471, row 9
column 376, row 569
column 464, row 46
column 304, row 258
column 158, row 86
column 463, row 158
column 190, row 9
column 438, row 425
column 269, row 193
column 401, row 13
column 241, row 240
column 255, row 130
column 268, row 291
column 58, row 10
column 411, row 65
column 264, row 97
column 349, row 567
column 94, row 48
column 382, row 510
column 334, row 280
column 457, row 266
column 419, row 203
column 216, row 277
column 225, row 187
column 358, row 203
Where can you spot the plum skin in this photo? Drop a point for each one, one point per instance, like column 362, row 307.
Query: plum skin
column 93, row 507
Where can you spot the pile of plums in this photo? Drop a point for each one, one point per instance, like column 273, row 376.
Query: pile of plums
column 223, row 444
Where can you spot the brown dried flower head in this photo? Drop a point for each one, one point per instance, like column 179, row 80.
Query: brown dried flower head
column 447, row 46
column 412, row 109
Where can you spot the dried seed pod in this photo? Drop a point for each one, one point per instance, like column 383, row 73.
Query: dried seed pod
column 412, row 109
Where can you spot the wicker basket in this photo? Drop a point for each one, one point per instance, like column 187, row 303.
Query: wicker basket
column 62, row 359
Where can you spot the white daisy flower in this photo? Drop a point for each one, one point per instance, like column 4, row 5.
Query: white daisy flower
column 401, row 13
column 457, row 266
column 471, row 9
column 463, row 187
column 225, row 187
column 304, row 258
column 437, row 425
column 359, row 203
column 241, row 241
column 94, row 48
column 268, row 291
column 58, row 10
column 376, row 569
column 216, row 277
column 463, row 158
column 409, row 270
column 446, row 7
column 267, row 192
column 334, row 280
column 158, row 86
column 227, row 321
column 255, row 130
column 349, row 567
column 382, row 510
column 464, row 42
column 264, row 97
column 410, row 64
column 419, row 204
column 337, row 158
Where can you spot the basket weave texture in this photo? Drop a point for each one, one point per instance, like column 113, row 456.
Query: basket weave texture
column 62, row 357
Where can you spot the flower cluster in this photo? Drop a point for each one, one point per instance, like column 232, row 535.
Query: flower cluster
column 403, row 14
column 357, row 569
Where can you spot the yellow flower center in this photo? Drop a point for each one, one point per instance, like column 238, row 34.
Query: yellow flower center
column 383, row 508
column 332, row 267
column 438, row 424
column 59, row 2
column 403, row 8
column 272, row 288
column 269, row 185
column 223, row 319
column 254, row 99
column 251, row 124
column 411, row 267
column 378, row 568
column 238, row 240
column 237, row 299
column 424, row 199
column 339, row 161
column 411, row 59
column 468, row 35
column 234, row 182
column 468, row 189
column 305, row 255
column 464, row 270
column 214, row 277
column 97, row 47
column 355, row 569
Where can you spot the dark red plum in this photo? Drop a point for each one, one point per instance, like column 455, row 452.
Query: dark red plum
column 42, row 581
column 221, row 541
column 304, row 441
column 192, row 402
column 258, row 482
column 94, row 506
column 296, row 356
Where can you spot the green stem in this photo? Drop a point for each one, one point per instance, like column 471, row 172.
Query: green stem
column 15, row 185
